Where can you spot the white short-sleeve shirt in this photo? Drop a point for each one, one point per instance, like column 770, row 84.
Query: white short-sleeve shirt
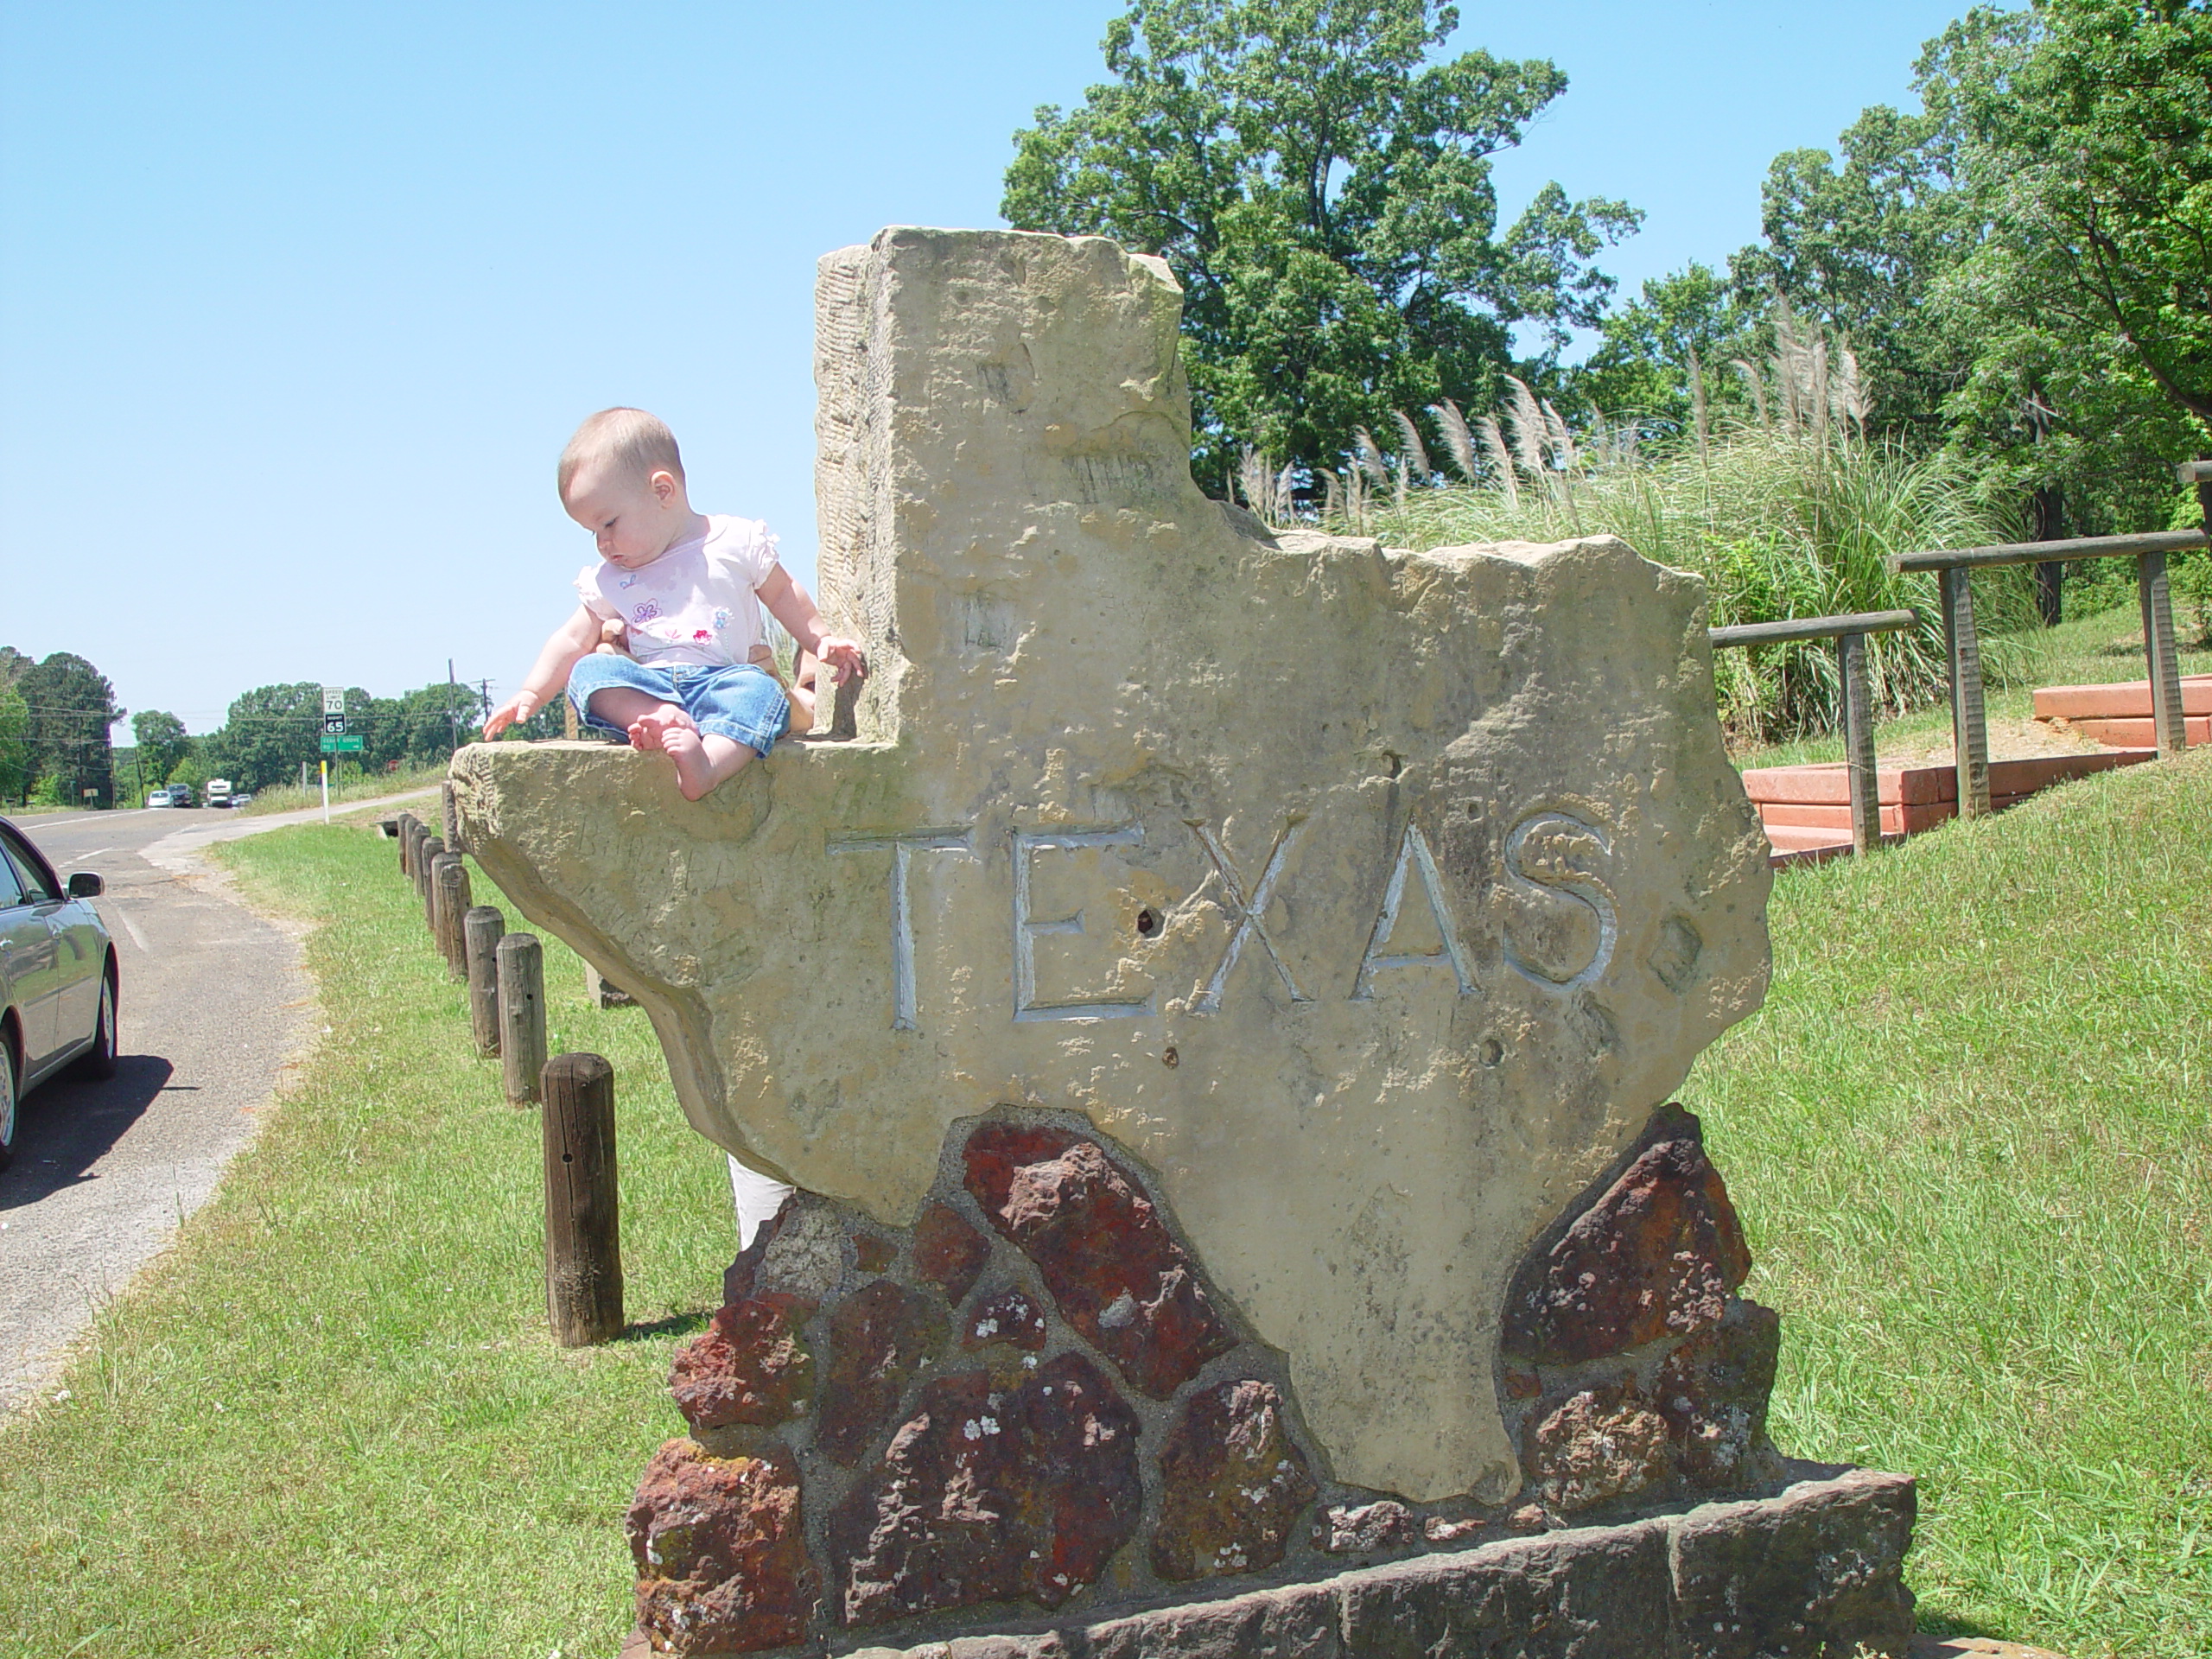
column 694, row 604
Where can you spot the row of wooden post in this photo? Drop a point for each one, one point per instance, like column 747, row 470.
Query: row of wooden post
column 506, row 975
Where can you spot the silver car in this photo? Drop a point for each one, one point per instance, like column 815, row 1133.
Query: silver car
column 57, row 978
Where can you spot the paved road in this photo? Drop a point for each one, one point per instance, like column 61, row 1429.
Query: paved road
column 214, row 1007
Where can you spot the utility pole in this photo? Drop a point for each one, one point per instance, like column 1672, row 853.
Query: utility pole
column 452, row 714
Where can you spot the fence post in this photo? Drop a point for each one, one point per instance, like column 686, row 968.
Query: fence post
column 583, row 1254
column 2152, row 593
column 522, row 1015
column 426, row 868
column 1969, row 727
column 480, row 932
column 603, row 992
column 1859, row 744
column 450, row 813
column 454, row 904
column 406, row 843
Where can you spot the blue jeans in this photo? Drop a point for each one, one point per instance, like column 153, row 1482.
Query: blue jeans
column 741, row 703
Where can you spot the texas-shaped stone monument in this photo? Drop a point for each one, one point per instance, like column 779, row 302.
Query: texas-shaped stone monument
column 1373, row 899
column 1367, row 902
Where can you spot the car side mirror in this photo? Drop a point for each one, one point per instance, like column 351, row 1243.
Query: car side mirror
column 86, row 884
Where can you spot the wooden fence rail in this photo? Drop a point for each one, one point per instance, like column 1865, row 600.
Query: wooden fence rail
column 2162, row 657
column 1849, row 633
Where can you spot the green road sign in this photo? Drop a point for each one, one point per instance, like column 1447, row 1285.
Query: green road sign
column 341, row 746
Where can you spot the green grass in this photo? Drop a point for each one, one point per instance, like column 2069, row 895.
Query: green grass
column 351, row 785
column 1971, row 1136
column 331, row 1421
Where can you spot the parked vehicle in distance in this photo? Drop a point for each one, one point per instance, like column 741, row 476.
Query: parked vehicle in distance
column 242, row 797
column 57, row 979
column 181, row 795
column 219, row 792
column 159, row 797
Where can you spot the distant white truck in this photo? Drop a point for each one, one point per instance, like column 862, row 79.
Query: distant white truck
column 217, row 792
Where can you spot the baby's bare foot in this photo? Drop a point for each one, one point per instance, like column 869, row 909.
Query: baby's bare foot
column 651, row 729
column 695, row 772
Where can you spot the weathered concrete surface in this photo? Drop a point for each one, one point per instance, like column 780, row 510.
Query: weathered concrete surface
column 1373, row 899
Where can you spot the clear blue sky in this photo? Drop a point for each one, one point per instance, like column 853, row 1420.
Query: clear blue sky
column 298, row 303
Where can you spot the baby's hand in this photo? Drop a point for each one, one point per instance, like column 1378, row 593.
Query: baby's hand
column 520, row 706
column 844, row 657
column 613, row 638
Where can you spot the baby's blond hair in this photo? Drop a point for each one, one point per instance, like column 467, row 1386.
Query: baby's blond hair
column 636, row 443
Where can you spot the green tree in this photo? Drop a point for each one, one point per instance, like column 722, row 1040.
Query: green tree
column 71, row 706
column 14, row 744
column 1861, row 244
column 1679, row 336
column 1324, row 194
column 421, row 728
column 268, row 733
column 2088, row 146
column 2085, row 150
column 191, row 772
column 162, row 742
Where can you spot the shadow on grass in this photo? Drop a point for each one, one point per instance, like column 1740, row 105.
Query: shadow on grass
column 676, row 1324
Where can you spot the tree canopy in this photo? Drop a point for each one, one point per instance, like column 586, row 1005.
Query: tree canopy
column 162, row 742
column 70, row 705
column 1323, row 192
column 271, row 730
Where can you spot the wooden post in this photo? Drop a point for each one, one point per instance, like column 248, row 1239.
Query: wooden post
column 451, row 814
column 480, row 932
column 603, row 992
column 2159, row 653
column 1969, row 726
column 454, row 904
column 426, row 868
column 583, row 1250
column 1859, row 744
column 522, row 1015
column 407, row 843
column 568, row 718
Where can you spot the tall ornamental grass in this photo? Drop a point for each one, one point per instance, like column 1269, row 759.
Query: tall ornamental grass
column 1789, row 513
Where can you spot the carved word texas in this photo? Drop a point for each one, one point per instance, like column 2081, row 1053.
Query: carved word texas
column 1536, row 857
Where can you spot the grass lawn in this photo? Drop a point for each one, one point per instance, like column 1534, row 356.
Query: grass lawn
column 1969, row 1134
column 351, row 784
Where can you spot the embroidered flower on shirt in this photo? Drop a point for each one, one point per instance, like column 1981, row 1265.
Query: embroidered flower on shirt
column 701, row 635
column 627, row 582
column 646, row 611
column 721, row 619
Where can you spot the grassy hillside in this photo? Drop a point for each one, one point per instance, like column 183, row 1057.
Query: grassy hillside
column 1971, row 1134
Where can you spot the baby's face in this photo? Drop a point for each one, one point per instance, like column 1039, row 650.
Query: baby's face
column 633, row 521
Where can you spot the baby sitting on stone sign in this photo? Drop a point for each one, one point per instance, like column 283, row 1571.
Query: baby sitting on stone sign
column 687, row 589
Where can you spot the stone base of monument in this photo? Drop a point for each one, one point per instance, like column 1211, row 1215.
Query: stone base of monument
column 1812, row 1570
column 1033, row 1412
